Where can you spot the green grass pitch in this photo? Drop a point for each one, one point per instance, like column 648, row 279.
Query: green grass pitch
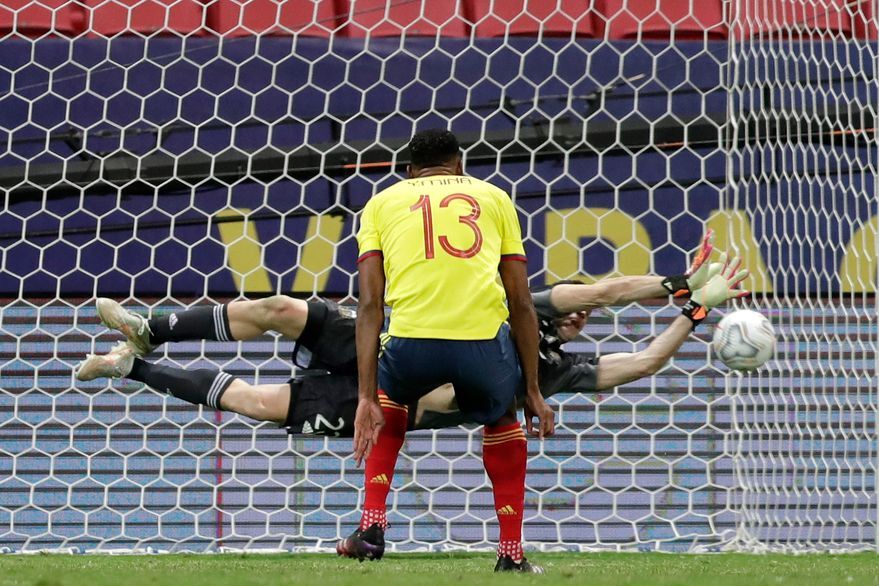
column 603, row 569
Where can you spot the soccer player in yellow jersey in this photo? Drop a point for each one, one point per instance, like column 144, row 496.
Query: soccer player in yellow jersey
column 431, row 247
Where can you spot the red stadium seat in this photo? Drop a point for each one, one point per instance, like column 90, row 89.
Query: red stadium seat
column 815, row 18
column 35, row 18
column 865, row 20
column 381, row 18
column 660, row 19
column 558, row 18
column 147, row 17
column 236, row 18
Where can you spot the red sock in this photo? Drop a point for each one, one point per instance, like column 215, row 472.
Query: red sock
column 381, row 462
column 505, row 454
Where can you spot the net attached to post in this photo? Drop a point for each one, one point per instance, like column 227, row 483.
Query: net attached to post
column 802, row 189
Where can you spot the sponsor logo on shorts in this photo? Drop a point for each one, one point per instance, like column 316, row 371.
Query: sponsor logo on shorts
column 380, row 479
column 506, row 510
column 172, row 321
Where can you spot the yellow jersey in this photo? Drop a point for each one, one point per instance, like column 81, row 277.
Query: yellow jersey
column 441, row 239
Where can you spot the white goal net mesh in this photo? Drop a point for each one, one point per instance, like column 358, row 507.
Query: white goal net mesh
column 174, row 153
column 803, row 162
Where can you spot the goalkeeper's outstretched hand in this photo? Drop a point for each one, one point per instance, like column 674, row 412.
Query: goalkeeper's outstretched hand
column 697, row 275
column 723, row 282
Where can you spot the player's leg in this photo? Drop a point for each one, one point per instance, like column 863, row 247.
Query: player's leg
column 624, row 367
column 488, row 395
column 260, row 402
column 279, row 313
column 505, row 457
column 404, row 376
column 213, row 388
column 238, row 320
column 368, row 542
column 379, row 469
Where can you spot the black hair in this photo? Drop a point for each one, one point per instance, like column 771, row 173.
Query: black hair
column 433, row 147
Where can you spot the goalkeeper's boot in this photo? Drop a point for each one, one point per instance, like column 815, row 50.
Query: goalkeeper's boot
column 368, row 544
column 116, row 363
column 133, row 326
column 506, row 564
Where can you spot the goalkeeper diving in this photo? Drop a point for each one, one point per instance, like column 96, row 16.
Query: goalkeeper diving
column 321, row 399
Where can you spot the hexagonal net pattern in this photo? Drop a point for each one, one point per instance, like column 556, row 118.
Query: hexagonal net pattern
column 803, row 167
column 174, row 153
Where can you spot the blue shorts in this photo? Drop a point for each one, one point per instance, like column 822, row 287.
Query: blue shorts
column 485, row 373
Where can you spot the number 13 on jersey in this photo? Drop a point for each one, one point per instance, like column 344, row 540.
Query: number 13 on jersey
column 468, row 220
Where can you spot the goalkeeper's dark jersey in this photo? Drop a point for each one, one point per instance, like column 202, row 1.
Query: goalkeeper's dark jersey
column 324, row 396
column 559, row 371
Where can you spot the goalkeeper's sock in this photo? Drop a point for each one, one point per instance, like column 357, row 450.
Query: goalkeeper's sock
column 199, row 323
column 505, row 454
column 200, row 387
column 381, row 462
column 676, row 285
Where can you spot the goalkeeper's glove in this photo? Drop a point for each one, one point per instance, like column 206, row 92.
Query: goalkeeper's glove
column 697, row 275
column 723, row 283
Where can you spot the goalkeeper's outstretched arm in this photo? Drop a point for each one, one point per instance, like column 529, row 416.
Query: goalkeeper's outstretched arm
column 568, row 298
column 723, row 283
column 624, row 367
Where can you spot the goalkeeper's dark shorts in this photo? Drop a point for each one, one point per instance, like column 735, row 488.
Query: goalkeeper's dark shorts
column 328, row 337
column 322, row 403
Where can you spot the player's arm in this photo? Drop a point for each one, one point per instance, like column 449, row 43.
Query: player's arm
column 624, row 367
column 523, row 318
column 368, row 420
column 370, row 318
column 523, row 324
column 722, row 285
column 567, row 298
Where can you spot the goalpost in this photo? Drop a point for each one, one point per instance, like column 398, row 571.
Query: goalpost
column 174, row 153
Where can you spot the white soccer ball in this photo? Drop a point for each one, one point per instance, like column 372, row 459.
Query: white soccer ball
column 744, row 340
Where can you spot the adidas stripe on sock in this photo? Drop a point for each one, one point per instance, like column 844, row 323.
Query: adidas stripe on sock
column 200, row 387
column 198, row 323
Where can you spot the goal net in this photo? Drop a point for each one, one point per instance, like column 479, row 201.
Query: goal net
column 170, row 153
column 803, row 161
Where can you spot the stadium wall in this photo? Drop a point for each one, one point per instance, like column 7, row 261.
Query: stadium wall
column 626, row 187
